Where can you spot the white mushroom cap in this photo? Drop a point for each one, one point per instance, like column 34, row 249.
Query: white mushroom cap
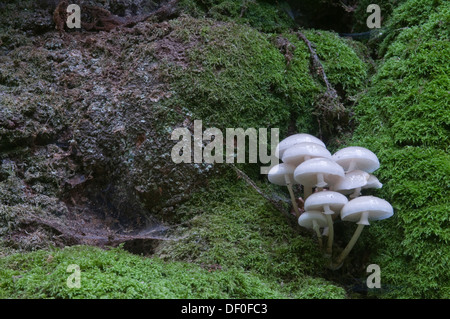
column 296, row 139
column 355, row 157
column 365, row 208
column 278, row 174
column 327, row 201
column 298, row 153
column 318, row 172
column 351, row 181
column 307, row 219
column 373, row 182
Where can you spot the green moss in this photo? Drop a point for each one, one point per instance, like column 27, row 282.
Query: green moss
column 118, row 274
column 418, row 107
column 233, row 78
column 344, row 68
column 265, row 16
column 404, row 119
column 299, row 86
column 412, row 14
column 237, row 77
column 234, row 227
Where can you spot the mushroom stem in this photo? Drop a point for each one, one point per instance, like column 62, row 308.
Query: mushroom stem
column 356, row 193
column 330, row 235
column 349, row 247
column 330, row 229
column 317, row 230
column 307, row 191
column 291, row 193
column 320, row 181
column 363, row 221
column 327, row 210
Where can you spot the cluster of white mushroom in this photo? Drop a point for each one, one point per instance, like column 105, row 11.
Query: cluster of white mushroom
column 306, row 161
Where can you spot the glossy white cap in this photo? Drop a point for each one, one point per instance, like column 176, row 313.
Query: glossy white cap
column 318, row 172
column 365, row 208
column 355, row 157
column 351, row 181
column 296, row 139
column 298, row 153
column 307, row 219
column 328, row 202
column 373, row 182
column 279, row 173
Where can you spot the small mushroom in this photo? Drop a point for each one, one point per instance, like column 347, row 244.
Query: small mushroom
column 361, row 210
column 317, row 172
column 372, row 182
column 296, row 139
column 313, row 220
column 355, row 157
column 352, row 183
column 282, row 174
column 298, row 153
column 330, row 203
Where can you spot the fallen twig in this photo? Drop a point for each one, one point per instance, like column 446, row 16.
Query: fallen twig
column 328, row 104
column 317, row 65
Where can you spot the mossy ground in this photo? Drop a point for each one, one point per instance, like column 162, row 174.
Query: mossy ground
column 116, row 273
column 119, row 274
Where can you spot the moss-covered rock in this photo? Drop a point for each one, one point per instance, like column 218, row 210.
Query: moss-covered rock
column 345, row 67
column 234, row 78
column 265, row 16
column 411, row 15
column 404, row 119
column 85, row 127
